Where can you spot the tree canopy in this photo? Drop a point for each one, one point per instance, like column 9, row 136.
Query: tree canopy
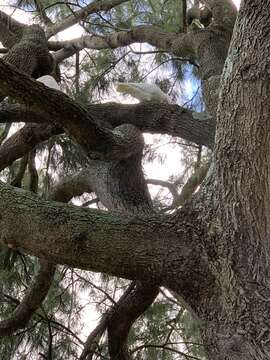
column 179, row 275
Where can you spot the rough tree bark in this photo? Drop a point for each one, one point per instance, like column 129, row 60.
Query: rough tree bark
column 214, row 251
column 241, row 236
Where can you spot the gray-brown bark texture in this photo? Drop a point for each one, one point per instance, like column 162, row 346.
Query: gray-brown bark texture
column 214, row 251
column 242, row 190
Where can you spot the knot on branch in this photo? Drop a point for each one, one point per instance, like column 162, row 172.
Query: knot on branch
column 31, row 54
column 130, row 138
column 204, row 15
column 34, row 33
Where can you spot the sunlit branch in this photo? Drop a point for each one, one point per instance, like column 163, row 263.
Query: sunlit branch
column 93, row 7
column 179, row 44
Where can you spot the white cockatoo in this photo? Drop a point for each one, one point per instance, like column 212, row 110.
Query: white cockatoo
column 49, row 81
column 143, row 92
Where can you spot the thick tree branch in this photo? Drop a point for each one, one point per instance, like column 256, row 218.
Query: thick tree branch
column 154, row 118
column 120, row 186
column 93, row 7
column 95, row 139
column 73, row 186
column 32, row 300
column 213, row 41
column 24, row 141
column 10, row 30
column 14, row 113
column 109, row 185
column 135, row 301
column 124, row 246
column 93, row 251
column 92, row 342
column 30, row 54
column 118, row 314
column 180, row 44
column 190, row 186
column 224, row 13
column 41, row 285
column 167, row 119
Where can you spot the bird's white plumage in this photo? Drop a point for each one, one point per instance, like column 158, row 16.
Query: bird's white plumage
column 143, row 92
column 49, row 81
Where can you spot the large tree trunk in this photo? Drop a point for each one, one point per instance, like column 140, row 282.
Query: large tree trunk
column 236, row 322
